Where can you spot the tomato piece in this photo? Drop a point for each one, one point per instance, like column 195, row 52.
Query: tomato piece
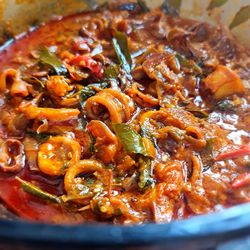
column 235, row 153
column 241, row 180
column 88, row 62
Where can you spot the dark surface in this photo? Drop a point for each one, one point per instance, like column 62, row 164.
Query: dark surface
column 201, row 232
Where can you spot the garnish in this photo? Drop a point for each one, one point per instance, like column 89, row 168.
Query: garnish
column 91, row 90
column 50, row 59
column 36, row 191
column 130, row 139
column 120, row 44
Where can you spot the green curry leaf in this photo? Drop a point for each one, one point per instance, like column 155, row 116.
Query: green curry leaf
column 90, row 90
column 171, row 7
column 111, row 72
column 40, row 137
column 130, row 139
column 216, row 3
column 50, row 59
column 145, row 173
column 120, row 44
column 189, row 64
column 143, row 6
column 226, row 105
column 36, row 191
column 241, row 16
column 197, row 112
column 207, row 154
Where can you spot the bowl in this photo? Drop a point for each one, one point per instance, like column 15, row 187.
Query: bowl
column 200, row 232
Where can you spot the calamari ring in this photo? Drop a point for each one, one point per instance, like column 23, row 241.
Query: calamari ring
column 119, row 106
column 195, row 136
column 12, row 156
column 18, row 86
column 50, row 114
column 58, row 154
column 84, row 166
column 145, row 100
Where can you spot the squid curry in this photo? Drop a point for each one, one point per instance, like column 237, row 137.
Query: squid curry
column 124, row 116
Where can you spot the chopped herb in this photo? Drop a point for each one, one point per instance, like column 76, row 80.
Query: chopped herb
column 184, row 103
column 110, row 166
column 119, row 179
column 92, row 144
column 216, row 3
column 90, row 181
column 197, row 112
column 171, row 7
column 90, row 90
column 111, row 72
column 143, row 6
column 50, row 59
column 82, row 123
column 33, row 80
column 207, row 155
column 40, row 137
column 64, row 167
column 130, row 139
column 36, row 191
column 120, row 44
column 226, row 105
column 145, row 173
column 188, row 64
column 241, row 16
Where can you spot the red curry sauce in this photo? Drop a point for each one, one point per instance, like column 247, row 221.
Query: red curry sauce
column 125, row 117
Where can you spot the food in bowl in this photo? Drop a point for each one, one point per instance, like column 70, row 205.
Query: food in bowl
column 125, row 116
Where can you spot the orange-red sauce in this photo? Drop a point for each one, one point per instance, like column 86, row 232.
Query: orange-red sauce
column 185, row 149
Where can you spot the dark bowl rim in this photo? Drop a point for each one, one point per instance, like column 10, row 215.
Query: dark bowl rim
column 227, row 224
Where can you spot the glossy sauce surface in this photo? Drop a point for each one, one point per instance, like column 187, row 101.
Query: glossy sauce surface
column 124, row 117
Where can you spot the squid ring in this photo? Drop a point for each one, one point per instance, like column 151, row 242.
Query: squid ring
column 84, row 166
column 58, row 154
column 12, row 156
column 119, row 105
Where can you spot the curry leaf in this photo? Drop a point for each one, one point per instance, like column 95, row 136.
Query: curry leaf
column 111, row 72
column 226, row 105
column 130, row 139
column 50, row 59
column 145, row 173
column 216, row 3
column 207, row 154
column 189, row 64
column 143, row 6
column 171, row 7
column 92, row 144
column 241, row 16
column 34, row 80
column 36, row 191
column 120, row 44
column 40, row 137
column 91, row 90
column 197, row 112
